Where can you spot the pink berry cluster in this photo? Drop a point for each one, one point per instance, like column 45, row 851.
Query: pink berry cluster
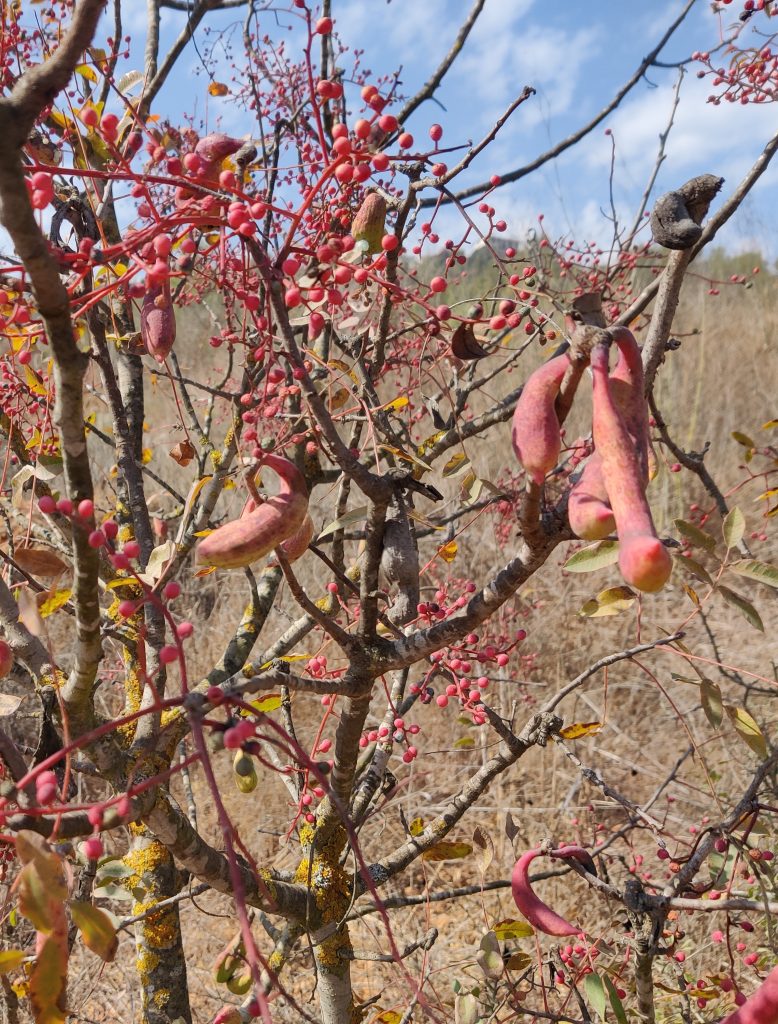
column 750, row 77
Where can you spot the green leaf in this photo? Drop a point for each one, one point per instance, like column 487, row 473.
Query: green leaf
column 733, row 527
column 699, row 538
column 710, row 697
column 97, row 929
column 613, row 601
column 356, row 515
column 692, row 566
column 745, row 607
column 747, row 729
column 615, row 1002
column 596, row 556
column 761, row 572
column 595, row 993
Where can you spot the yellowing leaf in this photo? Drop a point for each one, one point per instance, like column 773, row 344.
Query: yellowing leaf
column 747, row 729
column 10, row 959
column 396, row 404
column 416, row 827
column 55, row 601
column 608, row 602
column 579, row 729
column 447, row 851
column 386, row 1017
column 449, row 551
column 97, row 929
column 86, row 72
column 33, row 381
column 268, row 702
column 218, row 89
column 512, row 929
column 457, row 462
column 464, row 743
column 146, row 456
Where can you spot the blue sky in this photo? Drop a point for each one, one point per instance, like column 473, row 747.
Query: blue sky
column 576, row 55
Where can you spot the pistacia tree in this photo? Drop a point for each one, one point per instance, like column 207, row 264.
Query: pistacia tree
column 322, row 467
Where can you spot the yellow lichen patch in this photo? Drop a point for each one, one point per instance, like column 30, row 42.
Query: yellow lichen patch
column 146, row 963
column 328, row 953
column 161, row 998
column 275, row 961
column 160, row 929
column 144, row 862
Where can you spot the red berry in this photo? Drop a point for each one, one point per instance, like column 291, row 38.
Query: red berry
column 93, row 848
column 324, row 26
column 86, row 508
column 47, row 504
column 168, row 654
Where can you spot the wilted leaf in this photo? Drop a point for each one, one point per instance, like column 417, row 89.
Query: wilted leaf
column 158, row 559
column 579, row 729
column 484, row 849
column 489, row 956
column 745, row 607
column 8, row 704
column 511, row 929
column 612, row 601
column 747, row 729
column 455, row 464
column 29, row 615
column 53, row 602
column 10, row 959
column 761, row 572
column 733, row 527
column 710, row 698
column 97, row 929
column 448, row 552
column 218, row 89
column 465, row 345
column 519, row 962
column 464, row 743
column 596, row 556
column 699, row 538
column 182, row 453
column 470, row 488
column 447, row 851
column 39, row 561
column 511, row 828
column 691, row 593
column 465, row 1009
